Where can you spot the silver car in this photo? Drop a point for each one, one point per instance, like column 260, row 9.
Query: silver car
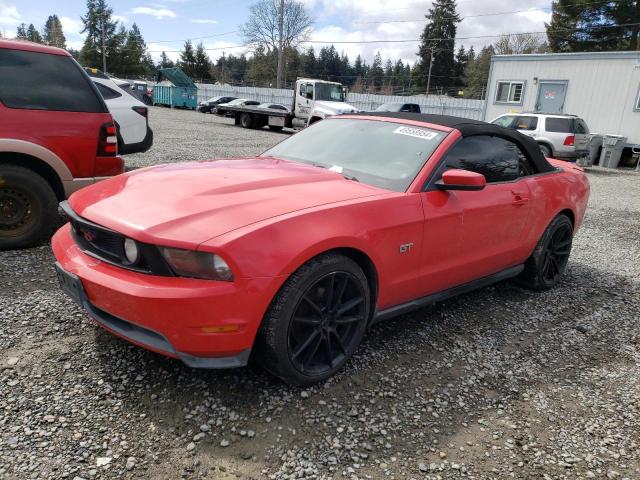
column 565, row 137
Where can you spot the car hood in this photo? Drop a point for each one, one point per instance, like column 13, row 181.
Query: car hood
column 186, row 204
column 334, row 108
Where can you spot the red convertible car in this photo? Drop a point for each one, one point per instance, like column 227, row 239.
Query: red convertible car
column 291, row 255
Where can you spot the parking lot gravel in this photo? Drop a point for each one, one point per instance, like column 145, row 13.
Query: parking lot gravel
column 499, row 383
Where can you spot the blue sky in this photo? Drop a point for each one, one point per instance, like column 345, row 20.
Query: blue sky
column 165, row 24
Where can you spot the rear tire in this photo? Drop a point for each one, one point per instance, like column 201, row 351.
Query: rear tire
column 246, row 120
column 28, row 208
column 316, row 321
column 546, row 151
column 547, row 263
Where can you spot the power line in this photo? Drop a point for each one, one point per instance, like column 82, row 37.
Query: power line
column 194, row 38
column 600, row 2
column 462, row 18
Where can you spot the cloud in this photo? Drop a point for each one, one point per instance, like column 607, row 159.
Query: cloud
column 120, row 18
column 9, row 16
column 71, row 26
column 205, row 21
column 358, row 20
column 159, row 13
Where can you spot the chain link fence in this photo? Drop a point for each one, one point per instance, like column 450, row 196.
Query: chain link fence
column 438, row 104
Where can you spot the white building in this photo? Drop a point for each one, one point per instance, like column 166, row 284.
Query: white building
column 603, row 88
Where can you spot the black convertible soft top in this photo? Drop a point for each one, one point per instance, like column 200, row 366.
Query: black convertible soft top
column 469, row 128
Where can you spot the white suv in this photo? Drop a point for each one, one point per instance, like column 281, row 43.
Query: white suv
column 565, row 137
column 130, row 114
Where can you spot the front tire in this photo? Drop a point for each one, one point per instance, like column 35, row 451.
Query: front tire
column 316, row 321
column 546, row 151
column 548, row 261
column 28, row 208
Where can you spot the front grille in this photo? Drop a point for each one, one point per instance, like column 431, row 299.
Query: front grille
column 107, row 245
column 99, row 241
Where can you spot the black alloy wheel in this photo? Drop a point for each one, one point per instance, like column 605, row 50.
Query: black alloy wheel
column 325, row 324
column 316, row 321
column 547, row 263
column 556, row 254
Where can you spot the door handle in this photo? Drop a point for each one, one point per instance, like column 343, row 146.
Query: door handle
column 518, row 199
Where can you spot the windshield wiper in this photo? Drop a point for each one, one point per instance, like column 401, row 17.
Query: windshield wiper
column 350, row 177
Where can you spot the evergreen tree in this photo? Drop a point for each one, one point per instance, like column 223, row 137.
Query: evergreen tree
column 53, row 34
column 477, row 73
column 309, row 63
column 376, row 73
column 116, row 54
column 100, row 28
column 134, row 53
column 165, row 61
column 187, row 61
column 202, row 63
column 583, row 25
column 389, row 73
column 438, row 40
column 21, row 32
column 33, row 35
column 461, row 60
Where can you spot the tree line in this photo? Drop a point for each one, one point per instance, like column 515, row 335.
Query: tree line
column 576, row 25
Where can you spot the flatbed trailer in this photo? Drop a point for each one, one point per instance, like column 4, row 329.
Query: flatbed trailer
column 253, row 117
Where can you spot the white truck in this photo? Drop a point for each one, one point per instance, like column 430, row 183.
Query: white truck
column 313, row 100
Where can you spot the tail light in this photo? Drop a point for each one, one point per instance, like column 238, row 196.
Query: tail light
column 108, row 141
column 144, row 111
column 570, row 141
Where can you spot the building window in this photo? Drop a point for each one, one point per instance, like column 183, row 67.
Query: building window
column 509, row 92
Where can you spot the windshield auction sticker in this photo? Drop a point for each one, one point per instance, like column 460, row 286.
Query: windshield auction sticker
column 416, row 132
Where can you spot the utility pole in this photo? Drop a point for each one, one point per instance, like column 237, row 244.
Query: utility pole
column 103, row 42
column 280, row 44
column 430, row 67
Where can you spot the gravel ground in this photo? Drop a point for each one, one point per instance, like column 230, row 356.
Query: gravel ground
column 500, row 383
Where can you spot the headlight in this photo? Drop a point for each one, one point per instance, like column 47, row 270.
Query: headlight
column 131, row 251
column 190, row 263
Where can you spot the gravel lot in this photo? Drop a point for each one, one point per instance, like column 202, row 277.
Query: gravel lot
column 500, row 383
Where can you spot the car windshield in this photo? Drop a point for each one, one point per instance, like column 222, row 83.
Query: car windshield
column 329, row 92
column 214, row 99
column 379, row 153
column 389, row 107
column 237, row 101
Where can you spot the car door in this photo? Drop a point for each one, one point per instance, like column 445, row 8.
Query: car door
column 472, row 234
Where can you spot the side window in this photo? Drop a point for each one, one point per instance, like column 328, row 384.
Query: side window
column 310, row 91
column 506, row 121
column 106, row 92
column 581, row 126
column 509, row 92
column 499, row 160
column 41, row 81
column 559, row 124
column 526, row 123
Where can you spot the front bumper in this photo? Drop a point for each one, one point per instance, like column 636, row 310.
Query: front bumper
column 204, row 323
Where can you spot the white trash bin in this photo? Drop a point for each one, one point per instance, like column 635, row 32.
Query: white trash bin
column 612, row 147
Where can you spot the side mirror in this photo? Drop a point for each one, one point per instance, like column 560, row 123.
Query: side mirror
column 456, row 179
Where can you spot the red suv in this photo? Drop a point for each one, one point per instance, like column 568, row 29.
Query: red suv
column 56, row 136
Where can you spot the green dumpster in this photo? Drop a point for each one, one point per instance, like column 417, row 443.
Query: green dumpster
column 174, row 88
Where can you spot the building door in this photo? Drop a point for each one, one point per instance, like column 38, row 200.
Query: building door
column 551, row 97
